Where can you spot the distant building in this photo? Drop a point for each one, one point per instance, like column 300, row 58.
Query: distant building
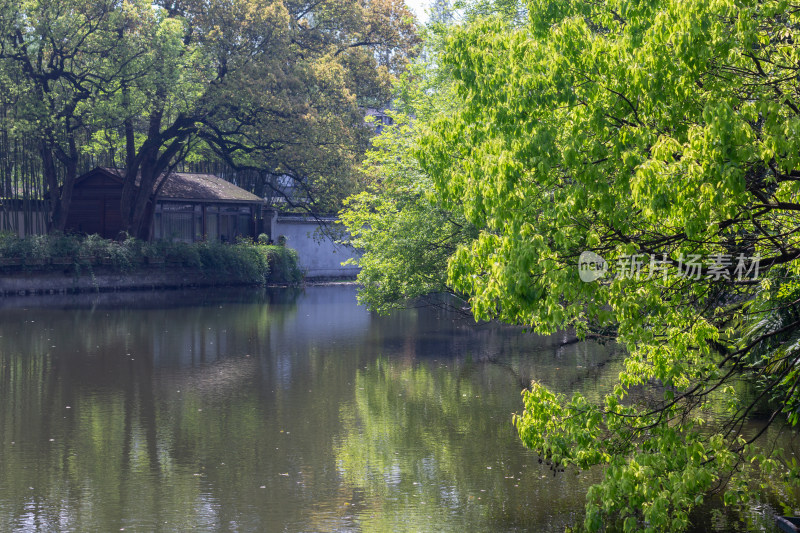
column 379, row 119
column 189, row 208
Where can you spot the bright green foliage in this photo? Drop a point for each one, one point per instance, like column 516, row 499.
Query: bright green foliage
column 399, row 223
column 405, row 237
column 662, row 128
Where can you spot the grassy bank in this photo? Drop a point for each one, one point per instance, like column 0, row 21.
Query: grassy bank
column 243, row 262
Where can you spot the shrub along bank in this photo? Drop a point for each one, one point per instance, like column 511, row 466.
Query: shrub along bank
column 241, row 263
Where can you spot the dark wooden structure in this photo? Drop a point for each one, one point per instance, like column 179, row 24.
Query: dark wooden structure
column 190, row 207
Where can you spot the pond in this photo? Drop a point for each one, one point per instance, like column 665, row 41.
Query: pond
column 277, row 410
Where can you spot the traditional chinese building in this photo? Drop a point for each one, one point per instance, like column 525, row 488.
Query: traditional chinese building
column 189, row 207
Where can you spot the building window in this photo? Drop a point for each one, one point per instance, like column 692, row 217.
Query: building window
column 175, row 222
column 212, row 223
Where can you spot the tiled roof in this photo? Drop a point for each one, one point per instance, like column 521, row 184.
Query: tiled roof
column 185, row 186
column 202, row 187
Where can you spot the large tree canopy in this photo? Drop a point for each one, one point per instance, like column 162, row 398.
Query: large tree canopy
column 398, row 222
column 55, row 70
column 656, row 132
column 663, row 137
column 272, row 87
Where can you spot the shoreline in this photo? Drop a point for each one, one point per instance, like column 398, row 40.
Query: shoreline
column 108, row 279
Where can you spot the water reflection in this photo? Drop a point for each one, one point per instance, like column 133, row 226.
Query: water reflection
column 274, row 411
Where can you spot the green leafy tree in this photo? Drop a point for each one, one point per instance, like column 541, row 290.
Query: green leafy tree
column 403, row 230
column 55, row 71
column 266, row 88
column 403, row 227
column 260, row 86
column 663, row 137
column 404, row 235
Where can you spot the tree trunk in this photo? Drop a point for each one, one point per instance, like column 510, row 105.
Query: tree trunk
column 54, row 193
column 140, row 215
column 147, row 166
column 60, row 196
column 144, row 167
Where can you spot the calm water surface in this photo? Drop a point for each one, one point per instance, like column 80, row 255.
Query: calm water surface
column 275, row 411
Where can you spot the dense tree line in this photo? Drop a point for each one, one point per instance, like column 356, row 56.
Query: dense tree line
column 260, row 89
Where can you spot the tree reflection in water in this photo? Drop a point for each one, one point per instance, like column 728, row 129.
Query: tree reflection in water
column 274, row 411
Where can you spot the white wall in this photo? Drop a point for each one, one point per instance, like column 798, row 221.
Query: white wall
column 318, row 253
